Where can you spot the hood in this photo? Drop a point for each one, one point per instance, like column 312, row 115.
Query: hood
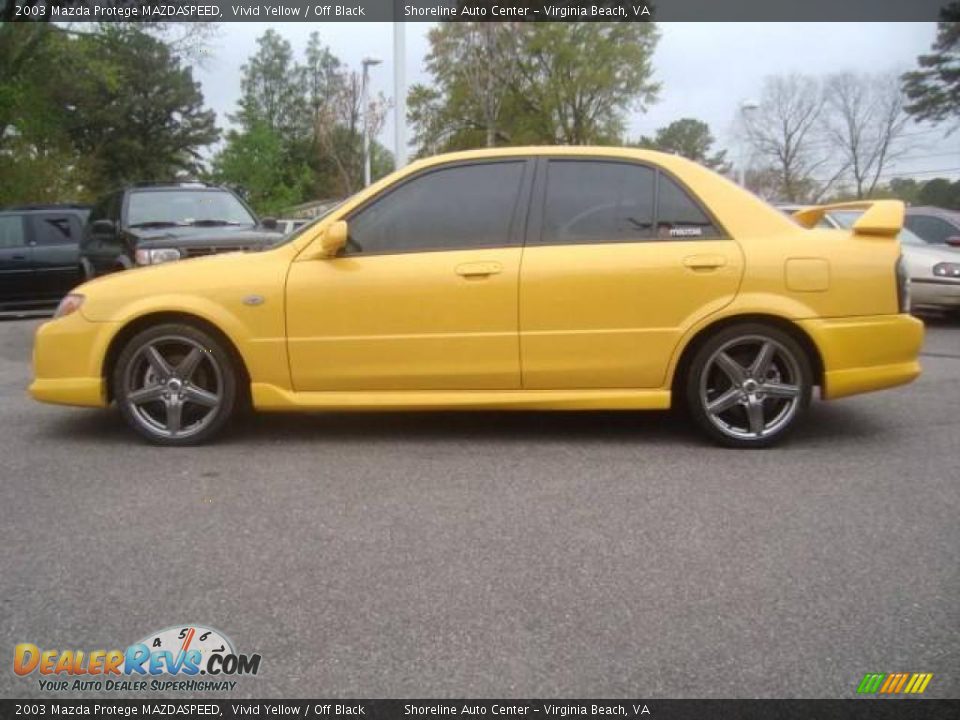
column 228, row 235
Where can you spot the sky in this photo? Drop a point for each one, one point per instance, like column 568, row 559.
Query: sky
column 706, row 69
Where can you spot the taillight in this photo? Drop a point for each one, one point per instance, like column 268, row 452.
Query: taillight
column 903, row 286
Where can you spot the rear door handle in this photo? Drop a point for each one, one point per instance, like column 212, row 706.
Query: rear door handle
column 704, row 262
column 479, row 269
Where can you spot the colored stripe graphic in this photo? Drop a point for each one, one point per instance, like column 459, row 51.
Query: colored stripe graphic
column 894, row 683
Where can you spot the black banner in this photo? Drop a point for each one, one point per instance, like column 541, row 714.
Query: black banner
column 866, row 709
column 470, row 10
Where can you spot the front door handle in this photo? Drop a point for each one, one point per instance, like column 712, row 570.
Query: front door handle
column 18, row 257
column 479, row 269
column 704, row 262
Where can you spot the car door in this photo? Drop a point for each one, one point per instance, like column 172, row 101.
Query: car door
column 620, row 260
column 56, row 238
column 424, row 296
column 16, row 271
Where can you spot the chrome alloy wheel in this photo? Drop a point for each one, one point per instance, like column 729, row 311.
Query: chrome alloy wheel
column 751, row 387
column 173, row 387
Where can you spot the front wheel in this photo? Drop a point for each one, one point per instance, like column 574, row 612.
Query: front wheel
column 175, row 384
column 749, row 385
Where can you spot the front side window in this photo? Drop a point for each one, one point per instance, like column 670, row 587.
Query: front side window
column 465, row 206
column 11, row 232
column 186, row 207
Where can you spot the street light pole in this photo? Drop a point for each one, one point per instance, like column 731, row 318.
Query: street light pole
column 399, row 96
column 745, row 106
column 365, row 111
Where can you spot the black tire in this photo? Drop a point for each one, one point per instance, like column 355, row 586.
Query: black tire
column 767, row 401
column 186, row 397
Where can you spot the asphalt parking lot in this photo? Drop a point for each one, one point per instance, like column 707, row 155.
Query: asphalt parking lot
column 486, row 555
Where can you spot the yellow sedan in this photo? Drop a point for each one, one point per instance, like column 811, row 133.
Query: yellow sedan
column 548, row 278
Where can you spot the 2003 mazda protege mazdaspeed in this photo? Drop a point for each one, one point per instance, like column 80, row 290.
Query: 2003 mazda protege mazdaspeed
column 525, row 278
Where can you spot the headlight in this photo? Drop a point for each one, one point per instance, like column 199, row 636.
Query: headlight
column 947, row 270
column 69, row 304
column 157, row 255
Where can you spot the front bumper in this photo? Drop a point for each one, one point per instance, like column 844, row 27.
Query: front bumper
column 935, row 292
column 862, row 354
column 68, row 357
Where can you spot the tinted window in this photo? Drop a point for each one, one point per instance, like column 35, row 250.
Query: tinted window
column 11, row 231
column 457, row 207
column 932, row 229
column 678, row 216
column 54, row 229
column 99, row 211
column 597, row 202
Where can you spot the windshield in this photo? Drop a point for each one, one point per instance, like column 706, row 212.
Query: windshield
column 846, row 219
column 187, row 207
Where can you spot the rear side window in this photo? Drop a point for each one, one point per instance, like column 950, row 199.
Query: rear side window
column 678, row 216
column 55, row 229
column 466, row 206
column 11, row 231
column 596, row 201
column 932, row 229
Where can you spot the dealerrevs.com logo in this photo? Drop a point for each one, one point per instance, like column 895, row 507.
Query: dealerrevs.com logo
column 185, row 658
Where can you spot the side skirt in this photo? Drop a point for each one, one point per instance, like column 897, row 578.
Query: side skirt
column 272, row 398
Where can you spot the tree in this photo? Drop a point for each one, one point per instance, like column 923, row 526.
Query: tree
column 933, row 91
column 126, row 110
column 690, row 138
column 783, row 132
column 272, row 88
column 864, row 119
column 555, row 83
column 255, row 162
column 940, row 192
column 298, row 134
column 140, row 119
column 472, row 68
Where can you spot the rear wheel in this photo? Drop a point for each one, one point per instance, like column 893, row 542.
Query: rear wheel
column 749, row 385
column 175, row 384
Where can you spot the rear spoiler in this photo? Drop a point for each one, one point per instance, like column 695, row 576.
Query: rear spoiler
column 883, row 218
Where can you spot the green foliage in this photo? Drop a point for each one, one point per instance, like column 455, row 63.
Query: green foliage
column 256, row 163
column 933, row 91
column 690, row 138
column 941, row 193
column 298, row 128
column 126, row 110
column 517, row 83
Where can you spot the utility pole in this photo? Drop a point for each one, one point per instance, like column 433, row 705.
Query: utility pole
column 365, row 110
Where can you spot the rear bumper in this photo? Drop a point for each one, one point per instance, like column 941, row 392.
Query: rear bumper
column 863, row 354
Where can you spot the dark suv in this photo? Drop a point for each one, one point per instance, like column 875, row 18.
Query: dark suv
column 149, row 224
column 39, row 247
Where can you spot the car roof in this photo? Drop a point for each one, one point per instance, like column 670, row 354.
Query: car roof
column 953, row 215
column 59, row 207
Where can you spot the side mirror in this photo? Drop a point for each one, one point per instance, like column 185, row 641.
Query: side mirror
column 269, row 223
column 954, row 241
column 334, row 238
column 103, row 227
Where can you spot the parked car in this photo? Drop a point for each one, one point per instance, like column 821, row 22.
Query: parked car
column 934, row 225
column 39, row 246
column 156, row 223
column 934, row 270
column 513, row 278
